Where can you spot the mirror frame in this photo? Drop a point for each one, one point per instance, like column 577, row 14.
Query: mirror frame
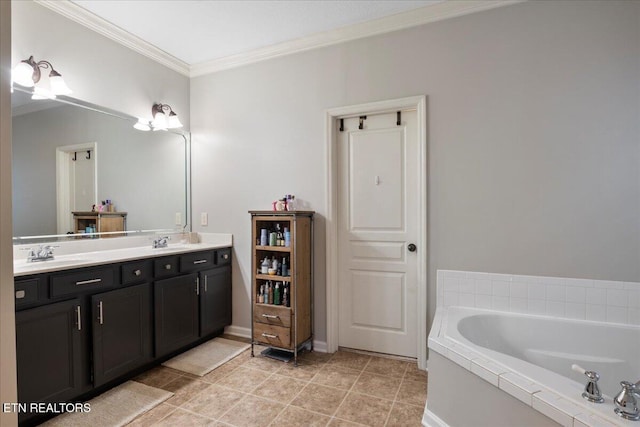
column 185, row 134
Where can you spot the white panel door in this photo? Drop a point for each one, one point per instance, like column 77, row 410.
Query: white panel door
column 378, row 169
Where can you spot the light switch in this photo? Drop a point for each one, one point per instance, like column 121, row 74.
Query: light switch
column 204, row 218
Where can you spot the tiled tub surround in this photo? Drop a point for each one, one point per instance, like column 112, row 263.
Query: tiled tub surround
column 90, row 252
column 526, row 386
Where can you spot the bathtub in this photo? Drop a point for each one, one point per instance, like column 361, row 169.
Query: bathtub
column 529, row 357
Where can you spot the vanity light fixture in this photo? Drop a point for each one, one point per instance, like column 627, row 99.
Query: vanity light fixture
column 27, row 73
column 160, row 119
column 142, row 125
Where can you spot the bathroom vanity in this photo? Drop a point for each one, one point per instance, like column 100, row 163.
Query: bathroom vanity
column 87, row 322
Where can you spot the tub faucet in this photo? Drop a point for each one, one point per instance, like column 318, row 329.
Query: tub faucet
column 626, row 401
column 161, row 242
column 591, row 390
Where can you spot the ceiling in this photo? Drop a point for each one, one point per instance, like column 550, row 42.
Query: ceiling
column 199, row 31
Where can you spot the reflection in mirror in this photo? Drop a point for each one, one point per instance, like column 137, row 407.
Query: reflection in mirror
column 70, row 156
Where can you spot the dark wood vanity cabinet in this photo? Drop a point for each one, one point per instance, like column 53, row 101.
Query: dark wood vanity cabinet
column 176, row 317
column 81, row 331
column 49, row 352
column 215, row 299
column 122, row 324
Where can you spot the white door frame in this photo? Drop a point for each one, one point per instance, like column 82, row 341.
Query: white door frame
column 63, row 196
column 419, row 103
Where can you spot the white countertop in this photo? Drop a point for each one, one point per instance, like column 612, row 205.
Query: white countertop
column 71, row 258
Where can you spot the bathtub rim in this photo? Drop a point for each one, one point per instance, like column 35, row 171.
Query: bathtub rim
column 560, row 405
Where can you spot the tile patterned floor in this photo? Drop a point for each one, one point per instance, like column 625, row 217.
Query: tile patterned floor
column 340, row 389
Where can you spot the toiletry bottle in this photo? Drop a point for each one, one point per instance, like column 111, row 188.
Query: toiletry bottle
column 287, row 237
column 265, row 296
column 276, row 294
column 270, row 293
column 285, row 267
column 263, row 237
column 285, row 296
column 265, row 266
column 274, row 263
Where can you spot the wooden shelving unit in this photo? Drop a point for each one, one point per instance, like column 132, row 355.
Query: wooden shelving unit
column 103, row 221
column 285, row 330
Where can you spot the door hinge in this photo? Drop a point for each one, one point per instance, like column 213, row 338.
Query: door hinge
column 341, row 128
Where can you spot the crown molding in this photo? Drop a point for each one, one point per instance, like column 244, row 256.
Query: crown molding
column 82, row 16
column 431, row 13
column 411, row 18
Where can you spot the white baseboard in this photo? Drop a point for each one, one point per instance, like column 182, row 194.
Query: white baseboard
column 238, row 331
column 320, row 346
column 429, row 419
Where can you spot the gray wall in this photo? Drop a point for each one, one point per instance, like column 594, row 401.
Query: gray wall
column 142, row 172
column 533, row 135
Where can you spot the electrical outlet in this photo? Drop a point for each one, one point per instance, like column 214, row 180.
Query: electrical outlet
column 178, row 218
column 204, row 218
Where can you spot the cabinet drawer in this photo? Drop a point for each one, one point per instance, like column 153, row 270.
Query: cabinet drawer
column 135, row 272
column 276, row 336
column 272, row 315
column 223, row 256
column 80, row 281
column 165, row 267
column 26, row 292
column 196, row 261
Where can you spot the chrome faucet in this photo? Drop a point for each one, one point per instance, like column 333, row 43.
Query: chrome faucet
column 626, row 402
column 591, row 390
column 40, row 253
column 161, row 242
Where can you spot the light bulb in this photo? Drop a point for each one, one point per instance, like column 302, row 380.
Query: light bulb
column 23, row 74
column 159, row 121
column 173, row 121
column 142, row 125
column 58, row 86
column 42, row 93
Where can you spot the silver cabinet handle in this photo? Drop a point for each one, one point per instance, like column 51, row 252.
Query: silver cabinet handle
column 205, row 284
column 225, row 256
column 100, row 317
column 269, row 335
column 167, row 267
column 137, row 272
column 200, row 261
column 78, row 318
column 88, row 282
column 271, row 316
column 197, row 286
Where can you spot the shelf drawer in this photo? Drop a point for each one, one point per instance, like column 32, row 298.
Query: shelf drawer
column 135, row 272
column 272, row 315
column 80, row 281
column 276, row 336
column 223, row 256
column 196, row 261
column 26, row 292
column 165, row 267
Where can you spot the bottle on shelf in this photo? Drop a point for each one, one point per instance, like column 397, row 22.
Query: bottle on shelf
column 264, row 268
column 287, row 237
column 285, row 267
column 270, row 293
column 276, row 294
column 285, row 296
column 279, row 236
column 263, row 237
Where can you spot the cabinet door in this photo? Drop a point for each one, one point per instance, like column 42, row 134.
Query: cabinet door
column 215, row 300
column 121, row 332
column 48, row 346
column 176, row 312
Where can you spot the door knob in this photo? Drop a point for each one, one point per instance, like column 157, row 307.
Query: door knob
column 411, row 247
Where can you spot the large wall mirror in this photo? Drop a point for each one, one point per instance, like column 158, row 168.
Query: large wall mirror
column 70, row 156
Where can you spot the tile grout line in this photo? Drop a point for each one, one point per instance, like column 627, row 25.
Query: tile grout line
column 395, row 397
column 350, row 389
